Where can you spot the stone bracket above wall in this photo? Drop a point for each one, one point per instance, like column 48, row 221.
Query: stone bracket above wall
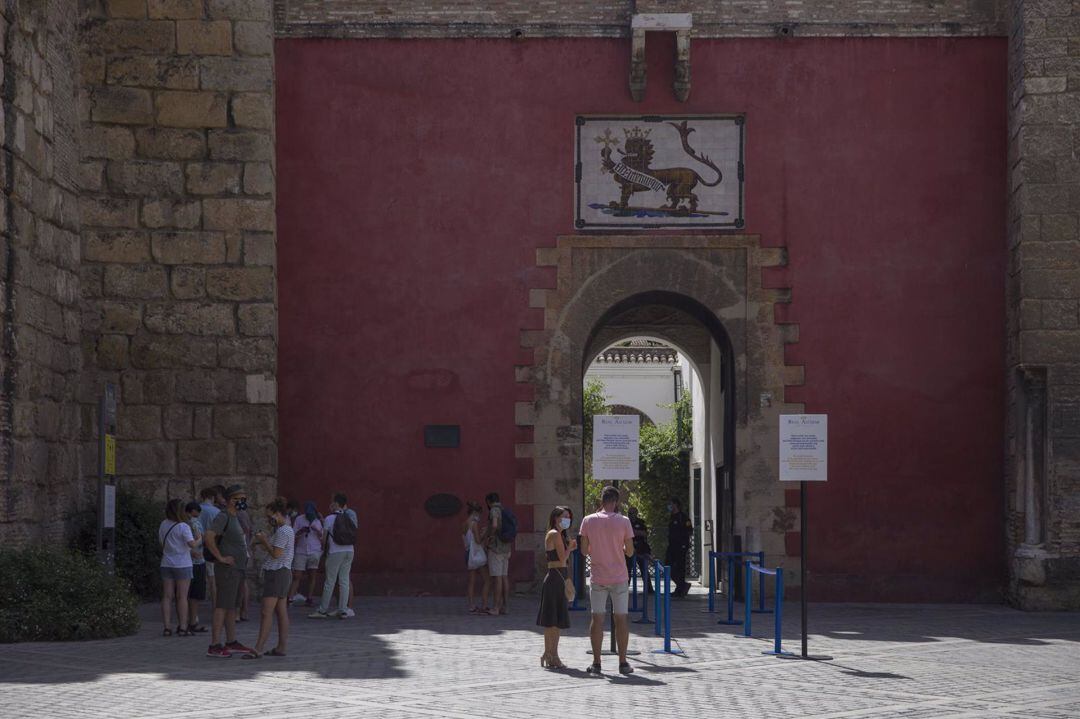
column 680, row 24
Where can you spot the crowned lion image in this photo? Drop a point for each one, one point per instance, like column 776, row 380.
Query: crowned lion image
column 634, row 171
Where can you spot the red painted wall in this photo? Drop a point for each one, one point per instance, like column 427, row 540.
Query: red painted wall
column 416, row 179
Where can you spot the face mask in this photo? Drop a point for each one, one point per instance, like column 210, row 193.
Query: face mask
column 241, row 505
column 564, row 523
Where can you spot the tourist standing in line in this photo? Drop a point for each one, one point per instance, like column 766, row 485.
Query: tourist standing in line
column 608, row 539
column 642, row 550
column 475, row 560
column 209, row 499
column 499, row 539
column 680, row 530
column 197, row 591
column 177, row 541
column 340, row 533
column 226, row 542
column 308, row 528
column 277, row 576
column 554, row 614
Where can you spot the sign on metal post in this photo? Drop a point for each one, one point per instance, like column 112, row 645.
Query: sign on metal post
column 615, row 447
column 804, row 457
column 106, row 534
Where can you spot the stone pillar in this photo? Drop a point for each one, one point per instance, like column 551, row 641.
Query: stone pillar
column 178, row 272
column 1043, row 302
column 39, row 287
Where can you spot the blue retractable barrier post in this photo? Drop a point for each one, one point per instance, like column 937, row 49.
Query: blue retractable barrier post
column 576, row 554
column 761, row 587
column 658, row 571
column 633, row 584
column 729, row 584
column 644, row 594
column 712, row 582
column 778, row 606
column 667, row 612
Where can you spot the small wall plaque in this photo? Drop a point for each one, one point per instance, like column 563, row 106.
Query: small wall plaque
column 442, row 435
column 442, row 505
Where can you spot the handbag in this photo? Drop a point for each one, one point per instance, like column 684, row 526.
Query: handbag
column 477, row 556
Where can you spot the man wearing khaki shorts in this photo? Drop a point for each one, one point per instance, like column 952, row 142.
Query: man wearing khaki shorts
column 227, row 544
column 607, row 539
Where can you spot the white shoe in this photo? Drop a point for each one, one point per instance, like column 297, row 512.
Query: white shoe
column 350, row 613
column 298, row 598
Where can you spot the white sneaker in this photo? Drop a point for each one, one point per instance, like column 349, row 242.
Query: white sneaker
column 350, row 613
column 298, row 598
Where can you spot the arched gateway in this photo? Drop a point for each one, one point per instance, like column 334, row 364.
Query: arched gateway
column 706, row 294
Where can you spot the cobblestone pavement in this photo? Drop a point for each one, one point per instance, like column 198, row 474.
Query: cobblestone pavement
column 424, row 657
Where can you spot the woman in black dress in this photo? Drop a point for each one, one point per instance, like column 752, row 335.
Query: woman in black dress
column 553, row 614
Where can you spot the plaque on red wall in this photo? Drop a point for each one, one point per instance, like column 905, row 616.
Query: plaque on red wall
column 648, row 172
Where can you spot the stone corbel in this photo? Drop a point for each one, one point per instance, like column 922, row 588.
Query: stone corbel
column 680, row 24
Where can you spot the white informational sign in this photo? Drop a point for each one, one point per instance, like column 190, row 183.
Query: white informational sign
column 804, row 447
column 109, row 514
column 615, row 447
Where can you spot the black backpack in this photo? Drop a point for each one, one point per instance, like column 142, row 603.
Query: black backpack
column 344, row 531
column 507, row 526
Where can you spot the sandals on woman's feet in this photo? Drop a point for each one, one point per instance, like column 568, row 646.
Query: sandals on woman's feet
column 275, row 652
column 182, row 632
column 625, row 668
column 594, row 669
column 166, row 632
column 251, row 655
column 196, row 630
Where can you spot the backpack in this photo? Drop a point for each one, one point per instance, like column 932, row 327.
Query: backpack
column 507, row 526
column 344, row 531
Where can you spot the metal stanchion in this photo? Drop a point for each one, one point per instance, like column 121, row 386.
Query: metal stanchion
column 778, row 605
column 761, row 587
column 658, row 571
column 633, row 584
column 644, row 596
column 712, row 582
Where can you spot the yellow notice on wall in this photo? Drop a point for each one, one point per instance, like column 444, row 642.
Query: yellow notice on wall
column 110, row 454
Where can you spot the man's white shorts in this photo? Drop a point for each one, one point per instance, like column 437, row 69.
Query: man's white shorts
column 498, row 564
column 599, row 593
column 302, row 562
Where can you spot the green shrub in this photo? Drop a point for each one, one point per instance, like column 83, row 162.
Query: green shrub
column 58, row 595
column 137, row 552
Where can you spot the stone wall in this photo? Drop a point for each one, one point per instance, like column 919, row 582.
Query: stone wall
column 39, row 230
column 1043, row 468
column 178, row 271
column 611, row 18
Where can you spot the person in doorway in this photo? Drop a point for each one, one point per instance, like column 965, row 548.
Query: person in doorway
column 554, row 614
column 475, row 560
column 642, row 551
column 308, row 528
column 499, row 545
column 176, row 541
column 607, row 539
column 208, row 502
column 340, row 539
column 680, row 530
column 197, row 591
column 226, row 542
column 277, row 576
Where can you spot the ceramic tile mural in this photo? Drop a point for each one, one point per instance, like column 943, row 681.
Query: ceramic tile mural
column 653, row 171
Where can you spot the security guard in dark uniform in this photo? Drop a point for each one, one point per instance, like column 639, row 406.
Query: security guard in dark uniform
column 642, row 550
column 680, row 531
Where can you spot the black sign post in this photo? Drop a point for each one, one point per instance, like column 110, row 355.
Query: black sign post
column 106, row 534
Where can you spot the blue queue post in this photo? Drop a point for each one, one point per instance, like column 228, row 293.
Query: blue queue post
column 748, row 599
column 761, row 609
column 633, row 584
column 644, row 598
column 658, row 571
column 729, row 589
column 712, row 582
column 576, row 554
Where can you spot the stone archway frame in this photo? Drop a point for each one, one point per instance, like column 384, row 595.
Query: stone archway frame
column 724, row 274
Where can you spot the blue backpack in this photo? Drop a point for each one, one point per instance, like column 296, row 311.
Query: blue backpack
column 507, row 526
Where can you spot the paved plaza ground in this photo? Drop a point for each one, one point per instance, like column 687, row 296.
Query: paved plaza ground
column 424, row 657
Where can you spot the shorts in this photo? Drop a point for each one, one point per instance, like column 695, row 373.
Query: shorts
column 498, row 564
column 176, row 573
column 276, row 583
column 619, row 594
column 229, row 581
column 197, row 590
column 303, row 562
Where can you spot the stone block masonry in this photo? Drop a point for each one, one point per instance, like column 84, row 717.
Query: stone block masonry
column 40, row 360
column 178, row 271
column 1043, row 305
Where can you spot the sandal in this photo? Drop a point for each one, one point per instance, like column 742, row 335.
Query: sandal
column 196, row 630
column 182, row 632
column 275, row 652
column 166, row 632
column 594, row 669
column 251, row 655
column 625, row 668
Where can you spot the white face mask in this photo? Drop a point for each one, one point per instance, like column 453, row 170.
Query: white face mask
column 564, row 523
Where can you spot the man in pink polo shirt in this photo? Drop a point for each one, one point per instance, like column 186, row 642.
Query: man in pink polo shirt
column 608, row 539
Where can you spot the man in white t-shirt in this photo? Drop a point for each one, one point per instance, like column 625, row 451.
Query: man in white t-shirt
column 339, row 558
